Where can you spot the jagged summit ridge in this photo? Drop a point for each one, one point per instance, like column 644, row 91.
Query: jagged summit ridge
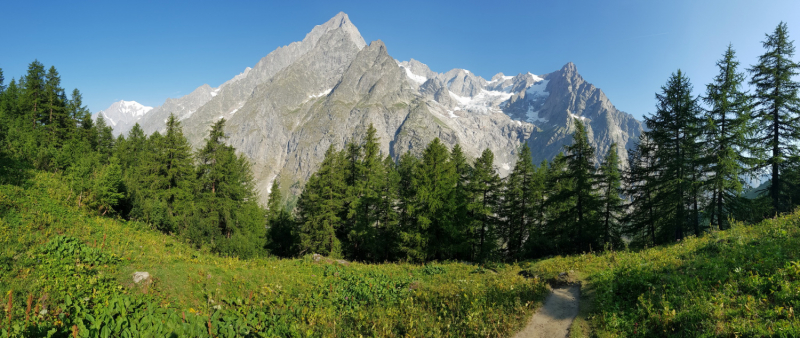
column 285, row 111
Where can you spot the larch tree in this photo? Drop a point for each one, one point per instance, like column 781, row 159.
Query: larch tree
column 777, row 108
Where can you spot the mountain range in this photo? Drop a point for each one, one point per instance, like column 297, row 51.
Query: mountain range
column 285, row 111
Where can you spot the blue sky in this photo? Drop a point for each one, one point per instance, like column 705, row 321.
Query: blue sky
column 149, row 51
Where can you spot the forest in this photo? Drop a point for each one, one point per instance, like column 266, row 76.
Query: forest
column 690, row 172
column 693, row 231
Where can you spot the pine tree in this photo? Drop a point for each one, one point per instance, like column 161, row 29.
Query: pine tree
column 412, row 242
column 386, row 214
column 282, row 232
column 642, row 184
column 108, row 186
column 610, row 187
column 727, row 130
column 436, row 180
column 518, row 212
column 105, row 139
column 227, row 197
column 320, row 206
column 675, row 129
column 483, row 205
column 579, row 218
column 777, row 108
column 460, row 225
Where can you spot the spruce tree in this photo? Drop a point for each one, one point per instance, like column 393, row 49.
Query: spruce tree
column 282, row 232
column 675, row 129
column 105, row 139
column 579, row 219
column 387, row 217
column 483, row 205
column 460, row 225
column 518, row 212
column 436, row 180
column 641, row 182
column 777, row 108
column 727, row 130
column 412, row 242
column 610, row 187
column 227, row 197
column 320, row 206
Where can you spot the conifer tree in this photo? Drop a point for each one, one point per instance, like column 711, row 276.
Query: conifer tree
column 319, row 207
column 108, row 186
column 105, row 139
column 435, row 183
column 483, row 205
column 610, row 187
column 580, row 217
column 642, row 184
column 282, row 232
column 460, row 226
column 675, row 129
column 412, row 243
column 727, row 130
column 227, row 197
column 518, row 210
column 387, row 217
column 777, row 108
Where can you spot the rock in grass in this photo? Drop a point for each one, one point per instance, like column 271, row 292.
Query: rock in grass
column 140, row 276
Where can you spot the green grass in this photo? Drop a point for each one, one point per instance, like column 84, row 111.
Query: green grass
column 743, row 282
column 78, row 266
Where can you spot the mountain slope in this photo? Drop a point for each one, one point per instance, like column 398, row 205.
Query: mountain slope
column 328, row 88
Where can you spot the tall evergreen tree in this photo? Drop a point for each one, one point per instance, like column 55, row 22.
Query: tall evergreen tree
column 579, row 219
column 227, row 197
column 777, row 108
column 319, row 207
column 610, row 187
column 483, row 205
column 282, row 232
column 674, row 128
column 727, row 130
column 105, row 139
column 642, row 184
column 518, row 212
column 459, row 226
column 412, row 242
column 436, row 180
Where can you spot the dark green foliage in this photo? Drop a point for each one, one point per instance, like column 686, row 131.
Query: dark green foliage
column 675, row 130
column 483, row 199
column 231, row 218
column 728, row 128
column 609, row 184
column 777, row 108
column 518, row 212
column 319, row 207
column 282, row 237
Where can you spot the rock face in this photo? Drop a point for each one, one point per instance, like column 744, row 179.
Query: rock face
column 328, row 88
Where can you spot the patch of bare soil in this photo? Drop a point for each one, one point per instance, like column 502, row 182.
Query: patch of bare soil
column 554, row 318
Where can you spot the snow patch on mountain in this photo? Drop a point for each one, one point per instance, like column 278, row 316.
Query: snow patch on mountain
column 419, row 79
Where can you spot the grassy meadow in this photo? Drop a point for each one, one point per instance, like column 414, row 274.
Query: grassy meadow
column 65, row 272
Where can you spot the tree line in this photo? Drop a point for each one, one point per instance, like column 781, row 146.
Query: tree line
column 206, row 196
column 687, row 174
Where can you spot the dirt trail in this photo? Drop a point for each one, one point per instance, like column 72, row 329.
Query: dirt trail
column 554, row 318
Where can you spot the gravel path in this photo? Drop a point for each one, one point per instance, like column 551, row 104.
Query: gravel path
column 555, row 317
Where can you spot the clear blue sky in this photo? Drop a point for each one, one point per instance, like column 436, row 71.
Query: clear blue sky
column 149, row 51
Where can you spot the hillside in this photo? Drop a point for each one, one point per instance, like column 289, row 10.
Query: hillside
column 65, row 269
column 742, row 282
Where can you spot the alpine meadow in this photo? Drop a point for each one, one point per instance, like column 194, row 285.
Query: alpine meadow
column 331, row 190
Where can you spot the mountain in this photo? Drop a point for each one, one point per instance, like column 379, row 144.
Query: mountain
column 328, row 88
column 122, row 115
